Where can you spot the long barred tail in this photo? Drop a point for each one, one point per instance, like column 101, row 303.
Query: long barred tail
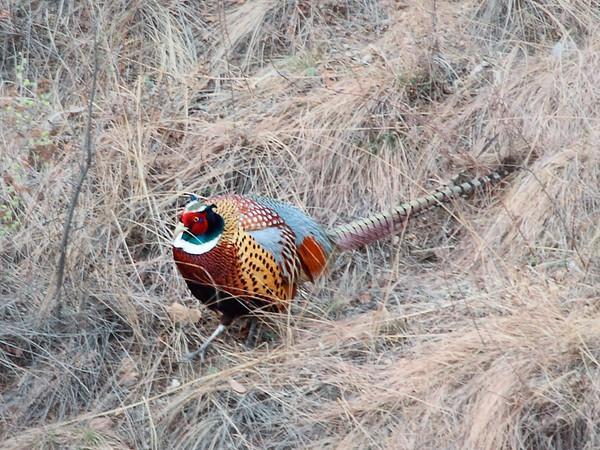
column 365, row 231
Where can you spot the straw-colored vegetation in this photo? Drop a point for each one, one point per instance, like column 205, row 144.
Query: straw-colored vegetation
column 477, row 328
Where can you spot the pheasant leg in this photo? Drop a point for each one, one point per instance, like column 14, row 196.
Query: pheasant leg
column 200, row 351
column 252, row 333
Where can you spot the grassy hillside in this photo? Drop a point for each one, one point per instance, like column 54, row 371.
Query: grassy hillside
column 476, row 328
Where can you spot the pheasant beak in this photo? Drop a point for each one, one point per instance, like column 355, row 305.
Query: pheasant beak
column 180, row 228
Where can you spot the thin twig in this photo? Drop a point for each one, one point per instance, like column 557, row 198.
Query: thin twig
column 226, row 38
column 85, row 167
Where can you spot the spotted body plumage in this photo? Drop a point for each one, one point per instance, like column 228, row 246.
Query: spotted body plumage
column 242, row 254
column 254, row 265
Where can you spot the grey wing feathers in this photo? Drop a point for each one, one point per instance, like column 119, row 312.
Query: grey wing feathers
column 300, row 223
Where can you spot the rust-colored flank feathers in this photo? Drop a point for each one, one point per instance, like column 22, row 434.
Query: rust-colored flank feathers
column 241, row 254
column 313, row 258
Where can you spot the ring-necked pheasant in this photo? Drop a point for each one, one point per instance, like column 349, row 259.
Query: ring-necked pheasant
column 240, row 254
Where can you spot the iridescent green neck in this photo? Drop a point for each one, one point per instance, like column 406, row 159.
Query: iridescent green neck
column 203, row 238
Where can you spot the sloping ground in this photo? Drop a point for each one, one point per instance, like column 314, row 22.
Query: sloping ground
column 479, row 327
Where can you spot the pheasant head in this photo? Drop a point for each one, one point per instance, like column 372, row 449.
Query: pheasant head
column 199, row 229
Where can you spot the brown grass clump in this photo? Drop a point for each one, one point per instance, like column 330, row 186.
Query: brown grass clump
column 477, row 328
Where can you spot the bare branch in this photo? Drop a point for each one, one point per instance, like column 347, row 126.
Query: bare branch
column 85, row 167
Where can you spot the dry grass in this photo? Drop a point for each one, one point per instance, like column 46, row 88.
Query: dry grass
column 476, row 329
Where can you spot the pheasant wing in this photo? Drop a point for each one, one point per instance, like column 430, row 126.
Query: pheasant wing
column 313, row 245
column 270, row 231
column 279, row 242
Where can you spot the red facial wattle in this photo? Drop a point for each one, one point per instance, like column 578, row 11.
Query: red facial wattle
column 195, row 222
